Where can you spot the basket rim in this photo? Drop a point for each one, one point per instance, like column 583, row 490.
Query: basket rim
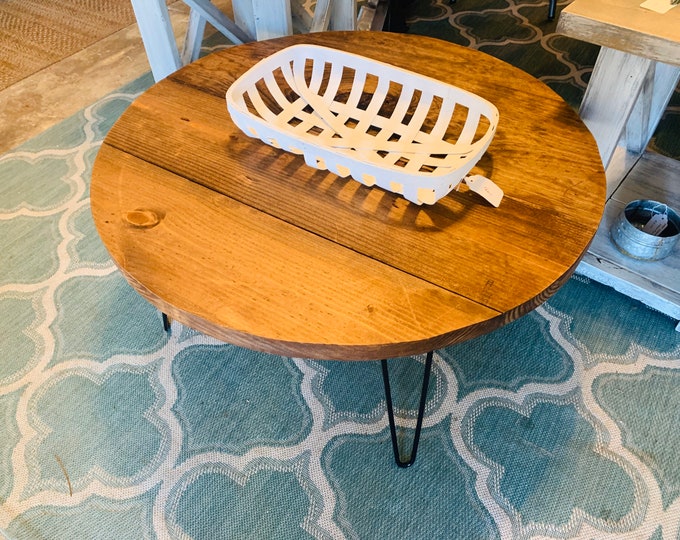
column 449, row 161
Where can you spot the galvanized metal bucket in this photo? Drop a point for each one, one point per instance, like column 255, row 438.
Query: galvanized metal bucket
column 629, row 235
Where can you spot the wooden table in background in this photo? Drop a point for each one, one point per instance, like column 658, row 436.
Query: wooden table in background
column 635, row 75
column 249, row 245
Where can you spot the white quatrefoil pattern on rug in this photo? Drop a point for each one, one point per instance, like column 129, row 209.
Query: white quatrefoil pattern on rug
column 563, row 424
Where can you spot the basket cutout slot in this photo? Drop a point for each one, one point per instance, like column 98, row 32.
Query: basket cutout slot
column 411, row 109
column 250, row 106
column 373, row 130
column 397, row 187
column 402, row 162
column 351, row 123
column 345, row 85
column 433, row 112
column 434, row 161
column 325, row 77
column 287, row 91
column 267, row 98
column 466, row 126
column 279, row 87
column 457, row 121
column 315, row 130
column 368, row 91
column 259, row 107
column 317, row 74
column 394, row 159
column 391, row 101
column 309, row 68
column 483, row 125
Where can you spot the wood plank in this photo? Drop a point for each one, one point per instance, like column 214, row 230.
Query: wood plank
column 379, row 224
column 342, row 301
column 654, row 177
column 625, row 26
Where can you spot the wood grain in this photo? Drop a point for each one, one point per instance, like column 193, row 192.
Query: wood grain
column 625, row 26
column 248, row 244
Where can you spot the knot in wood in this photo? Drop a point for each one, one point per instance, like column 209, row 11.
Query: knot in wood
column 142, row 218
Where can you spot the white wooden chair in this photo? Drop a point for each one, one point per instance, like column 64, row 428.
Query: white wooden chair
column 254, row 20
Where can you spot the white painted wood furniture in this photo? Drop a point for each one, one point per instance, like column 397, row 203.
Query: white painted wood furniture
column 634, row 77
column 253, row 20
column 635, row 74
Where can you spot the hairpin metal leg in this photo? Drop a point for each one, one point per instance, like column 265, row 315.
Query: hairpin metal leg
column 421, row 412
column 166, row 322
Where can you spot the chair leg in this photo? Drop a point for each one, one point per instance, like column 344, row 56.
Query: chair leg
column 219, row 20
column 153, row 21
column 552, row 8
column 344, row 15
column 322, row 16
column 193, row 38
column 421, row 413
column 264, row 19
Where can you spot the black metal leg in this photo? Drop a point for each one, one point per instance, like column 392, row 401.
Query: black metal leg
column 166, row 322
column 552, row 7
column 396, row 16
column 421, row 412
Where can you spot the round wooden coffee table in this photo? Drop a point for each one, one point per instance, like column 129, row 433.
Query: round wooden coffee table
column 247, row 244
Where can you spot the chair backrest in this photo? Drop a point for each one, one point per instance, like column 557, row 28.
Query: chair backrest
column 264, row 19
column 254, row 20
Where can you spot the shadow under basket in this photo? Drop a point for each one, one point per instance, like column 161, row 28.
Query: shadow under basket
column 354, row 116
column 646, row 230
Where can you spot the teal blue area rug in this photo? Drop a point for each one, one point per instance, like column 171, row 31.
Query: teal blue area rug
column 563, row 424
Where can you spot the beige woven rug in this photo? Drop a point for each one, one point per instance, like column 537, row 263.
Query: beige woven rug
column 35, row 34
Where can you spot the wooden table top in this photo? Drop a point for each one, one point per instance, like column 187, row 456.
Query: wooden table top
column 247, row 244
column 625, row 26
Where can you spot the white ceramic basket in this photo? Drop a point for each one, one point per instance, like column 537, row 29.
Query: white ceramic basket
column 357, row 117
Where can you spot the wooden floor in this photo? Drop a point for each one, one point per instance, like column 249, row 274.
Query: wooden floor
column 35, row 103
